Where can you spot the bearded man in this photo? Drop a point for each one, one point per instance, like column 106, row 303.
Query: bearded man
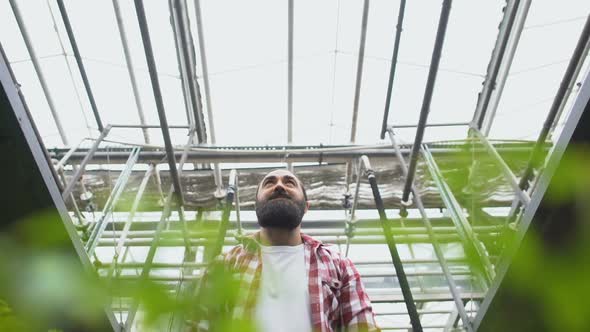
column 290, row 281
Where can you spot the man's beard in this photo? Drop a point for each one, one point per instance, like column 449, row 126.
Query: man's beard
column 280, row 211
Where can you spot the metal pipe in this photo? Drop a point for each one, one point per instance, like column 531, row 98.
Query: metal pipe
column 129, row 62
column 145, row 126
column 510, row 177
column 184, row 35
column 205, row 70
column 471, row 244
column 339, row 239
column 223, row 225
column 135, row 265
column 506, row 63
column 436, row 53
column 397, row 263
column 561, row 94
column 203, row 56
column 494, row 66
column 359, row 71
column 451, row 124
column 161, row 223
column 126, row 229
column 37, row 67
column 87, row 157
column 433, row 239
column 64, row 159
column 290, row 22
column 70, row 32
column 147, row 45
column 398, row 35
column 569, row 90
column 395, row 230
column 190, row 115
column 109, row 206
column 233, row 184
column 254, row 155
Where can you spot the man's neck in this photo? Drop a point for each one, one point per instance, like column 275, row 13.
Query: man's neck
column 280, row 237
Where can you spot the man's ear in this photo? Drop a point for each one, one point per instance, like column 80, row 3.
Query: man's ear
column 307, row 205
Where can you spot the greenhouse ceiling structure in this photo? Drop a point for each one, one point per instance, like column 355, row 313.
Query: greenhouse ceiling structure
column 423, row 132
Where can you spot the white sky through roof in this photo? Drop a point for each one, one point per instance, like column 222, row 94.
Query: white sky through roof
column 246, row 45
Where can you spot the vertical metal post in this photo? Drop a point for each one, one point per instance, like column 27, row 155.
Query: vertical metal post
column 397, row 263
column 398, row 35
column 290, row 21
column 184, row 38
column 129, row 62
column 190, row 115
column 37, row 66
column 437, row 250
column 149, row 54
column 203, row 56
column 359, row 71
column 159, row 228
column 68, row 189
column 70, row 32
column 436, row 53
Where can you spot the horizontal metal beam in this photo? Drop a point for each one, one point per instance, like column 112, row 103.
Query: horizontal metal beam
column 260, row 154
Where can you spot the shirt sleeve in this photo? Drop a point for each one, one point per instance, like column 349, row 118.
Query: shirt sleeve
column 355, row 305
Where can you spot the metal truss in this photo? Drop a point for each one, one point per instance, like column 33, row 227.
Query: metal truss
column 472, row 238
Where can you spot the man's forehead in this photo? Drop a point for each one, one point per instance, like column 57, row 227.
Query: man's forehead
column 280, row 173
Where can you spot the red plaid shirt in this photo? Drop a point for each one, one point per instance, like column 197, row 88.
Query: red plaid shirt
column 337, row 295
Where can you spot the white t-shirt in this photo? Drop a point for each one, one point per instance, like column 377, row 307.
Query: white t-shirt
column 283, row 299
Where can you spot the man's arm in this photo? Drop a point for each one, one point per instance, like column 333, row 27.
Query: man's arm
column 355, row 305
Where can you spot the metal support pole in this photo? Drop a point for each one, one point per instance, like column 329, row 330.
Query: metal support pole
column 233, row 185
column 436, row 53
column 88, row 156
column 203, row 56
column 126, row 229
column 572, row 70
column 473, row 247
column 510, row 177
column 145, row 36
column 506, row 62
column 109, row 206
column 397, row 263
column 450, row 124
column 561, row 94
column 64, row 16
column 290, row 23
column 435, row 243
column 359, row 71
column 220, row 239
column 495, row 62
column 159, row 228
column 37, row 66
column 130, row 70
column 190, row 115
column 185, row 40
column 398, row 35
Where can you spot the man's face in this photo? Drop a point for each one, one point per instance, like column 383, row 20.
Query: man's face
column 280, row 202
